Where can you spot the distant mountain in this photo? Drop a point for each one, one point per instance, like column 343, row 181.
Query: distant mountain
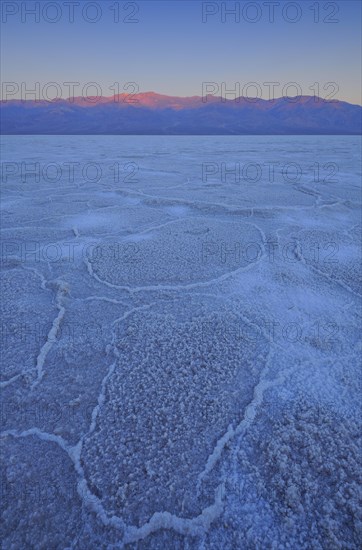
column 151, row 113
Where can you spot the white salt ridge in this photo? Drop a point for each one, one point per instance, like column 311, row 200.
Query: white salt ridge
column 52, row 335
column 198, row 525
column 6, row 383
column 249, row 417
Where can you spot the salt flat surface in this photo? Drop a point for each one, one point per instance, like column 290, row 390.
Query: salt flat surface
column 180, row 363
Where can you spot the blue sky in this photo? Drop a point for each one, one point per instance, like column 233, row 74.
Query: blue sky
column 171, row 51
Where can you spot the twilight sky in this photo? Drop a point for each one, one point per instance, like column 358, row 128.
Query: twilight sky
column 170, row 50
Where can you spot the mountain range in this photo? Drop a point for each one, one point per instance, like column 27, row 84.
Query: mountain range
column 151, row 113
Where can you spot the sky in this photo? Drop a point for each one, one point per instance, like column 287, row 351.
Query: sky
column 174, row 46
